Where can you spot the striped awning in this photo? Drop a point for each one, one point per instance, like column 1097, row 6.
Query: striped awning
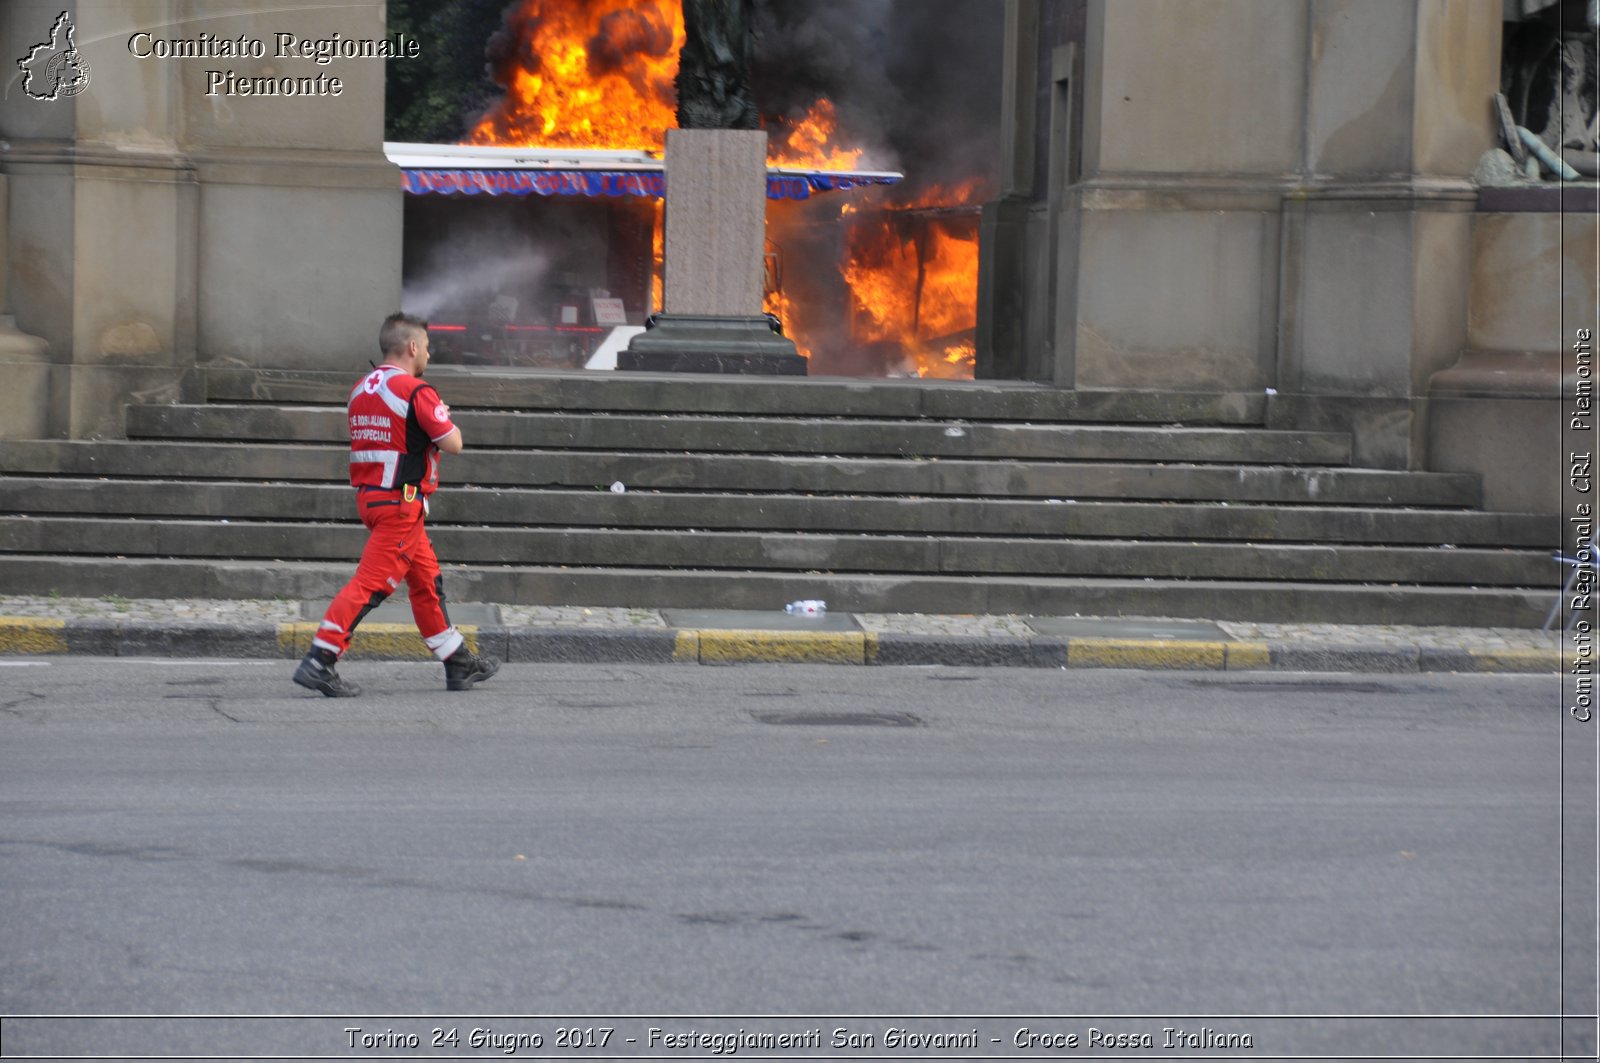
column 456, row 169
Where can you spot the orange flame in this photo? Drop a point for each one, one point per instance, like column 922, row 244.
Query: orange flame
column 809, row 142
column 596, row 75
column 658, row 257
column 776, row 302
column 914, row 280
column 601, row 75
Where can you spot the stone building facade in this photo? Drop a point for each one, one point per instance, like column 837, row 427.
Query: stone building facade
column 1278, row 194
column 1229, row 195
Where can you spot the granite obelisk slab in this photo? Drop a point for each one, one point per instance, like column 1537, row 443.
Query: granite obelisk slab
column 714, row 242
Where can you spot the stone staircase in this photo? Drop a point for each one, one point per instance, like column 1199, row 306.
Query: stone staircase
column 749, row 493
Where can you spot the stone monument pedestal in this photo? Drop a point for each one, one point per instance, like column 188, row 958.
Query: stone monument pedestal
column 714, row 240
column 698, row 344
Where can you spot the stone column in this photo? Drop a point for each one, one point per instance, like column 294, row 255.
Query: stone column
column 714, row 242
column 24, row 362
column 1501, row 410
column 301, row 215
column 1377, row 233
column 101, row 215
column 1168, row 245
column 1247, row 195
column 161, row 218
column 1003, row 293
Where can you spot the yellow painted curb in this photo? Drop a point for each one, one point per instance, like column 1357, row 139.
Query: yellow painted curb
column 28, row 634
column 1515, row 660
column 810, row 647
column 294, row 639
column 1247, row 656
column 372, row 641
column 686, row 647
column 1145, row 653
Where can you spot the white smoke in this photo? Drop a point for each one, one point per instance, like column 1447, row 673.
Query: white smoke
column 473, row 276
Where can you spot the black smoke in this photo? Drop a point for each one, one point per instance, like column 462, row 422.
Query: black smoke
column 626, row 33
column 915, row 82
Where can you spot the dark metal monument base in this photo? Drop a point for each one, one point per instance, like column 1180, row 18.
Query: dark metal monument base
column 689, row 344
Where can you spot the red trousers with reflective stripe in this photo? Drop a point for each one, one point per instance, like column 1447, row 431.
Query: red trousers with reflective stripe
column 397, row 549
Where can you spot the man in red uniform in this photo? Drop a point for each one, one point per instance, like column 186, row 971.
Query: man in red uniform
column 398, row 426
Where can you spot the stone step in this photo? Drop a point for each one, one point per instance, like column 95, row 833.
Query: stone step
column 1285, row 602
column 49, row 496
column 775, row 474
column 809, row 396
column 771, row 435
column 596, row 548
column 876, row 496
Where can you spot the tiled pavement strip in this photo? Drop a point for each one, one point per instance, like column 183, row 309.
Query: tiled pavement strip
column 279, row 628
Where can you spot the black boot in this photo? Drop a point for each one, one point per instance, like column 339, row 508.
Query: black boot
column 464, row 668
column 316, row 673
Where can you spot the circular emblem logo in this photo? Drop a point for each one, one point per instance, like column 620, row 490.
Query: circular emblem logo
column 67, row 73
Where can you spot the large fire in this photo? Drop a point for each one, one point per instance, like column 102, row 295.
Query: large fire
column 918, row 293
column 594, row 75
column 778, row 303
column 809, row 142
column 600, row 74
column 913, row 276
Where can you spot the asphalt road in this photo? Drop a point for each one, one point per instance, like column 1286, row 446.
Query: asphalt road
column 201, row 837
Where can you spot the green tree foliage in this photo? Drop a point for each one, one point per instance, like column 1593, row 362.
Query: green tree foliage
column 438, row 97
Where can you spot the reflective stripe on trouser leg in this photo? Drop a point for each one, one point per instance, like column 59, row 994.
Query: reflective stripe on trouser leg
column 426, row 587
column 445, row 643
column 335, row 632
column 385, row 560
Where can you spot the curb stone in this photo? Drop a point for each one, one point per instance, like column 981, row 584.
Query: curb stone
column 95, row 638
column 1517, row 662
column 793, row 647
column 373, row 641
column 1332, row 657
column 1008, row 651
column 1161, row 654
column 593, row 646
column 179, row 639
column 30, row 635
column 35, row 636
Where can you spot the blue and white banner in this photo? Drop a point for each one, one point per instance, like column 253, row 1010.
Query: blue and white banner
column 613, row 183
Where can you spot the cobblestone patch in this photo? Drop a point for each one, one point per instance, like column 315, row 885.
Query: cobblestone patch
column 248, row 611
column 1321, row 634
column 931, row 624
column 579, row 616
column 1438, row 638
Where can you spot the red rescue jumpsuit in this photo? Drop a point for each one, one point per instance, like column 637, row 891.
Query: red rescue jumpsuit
column 396, row 421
